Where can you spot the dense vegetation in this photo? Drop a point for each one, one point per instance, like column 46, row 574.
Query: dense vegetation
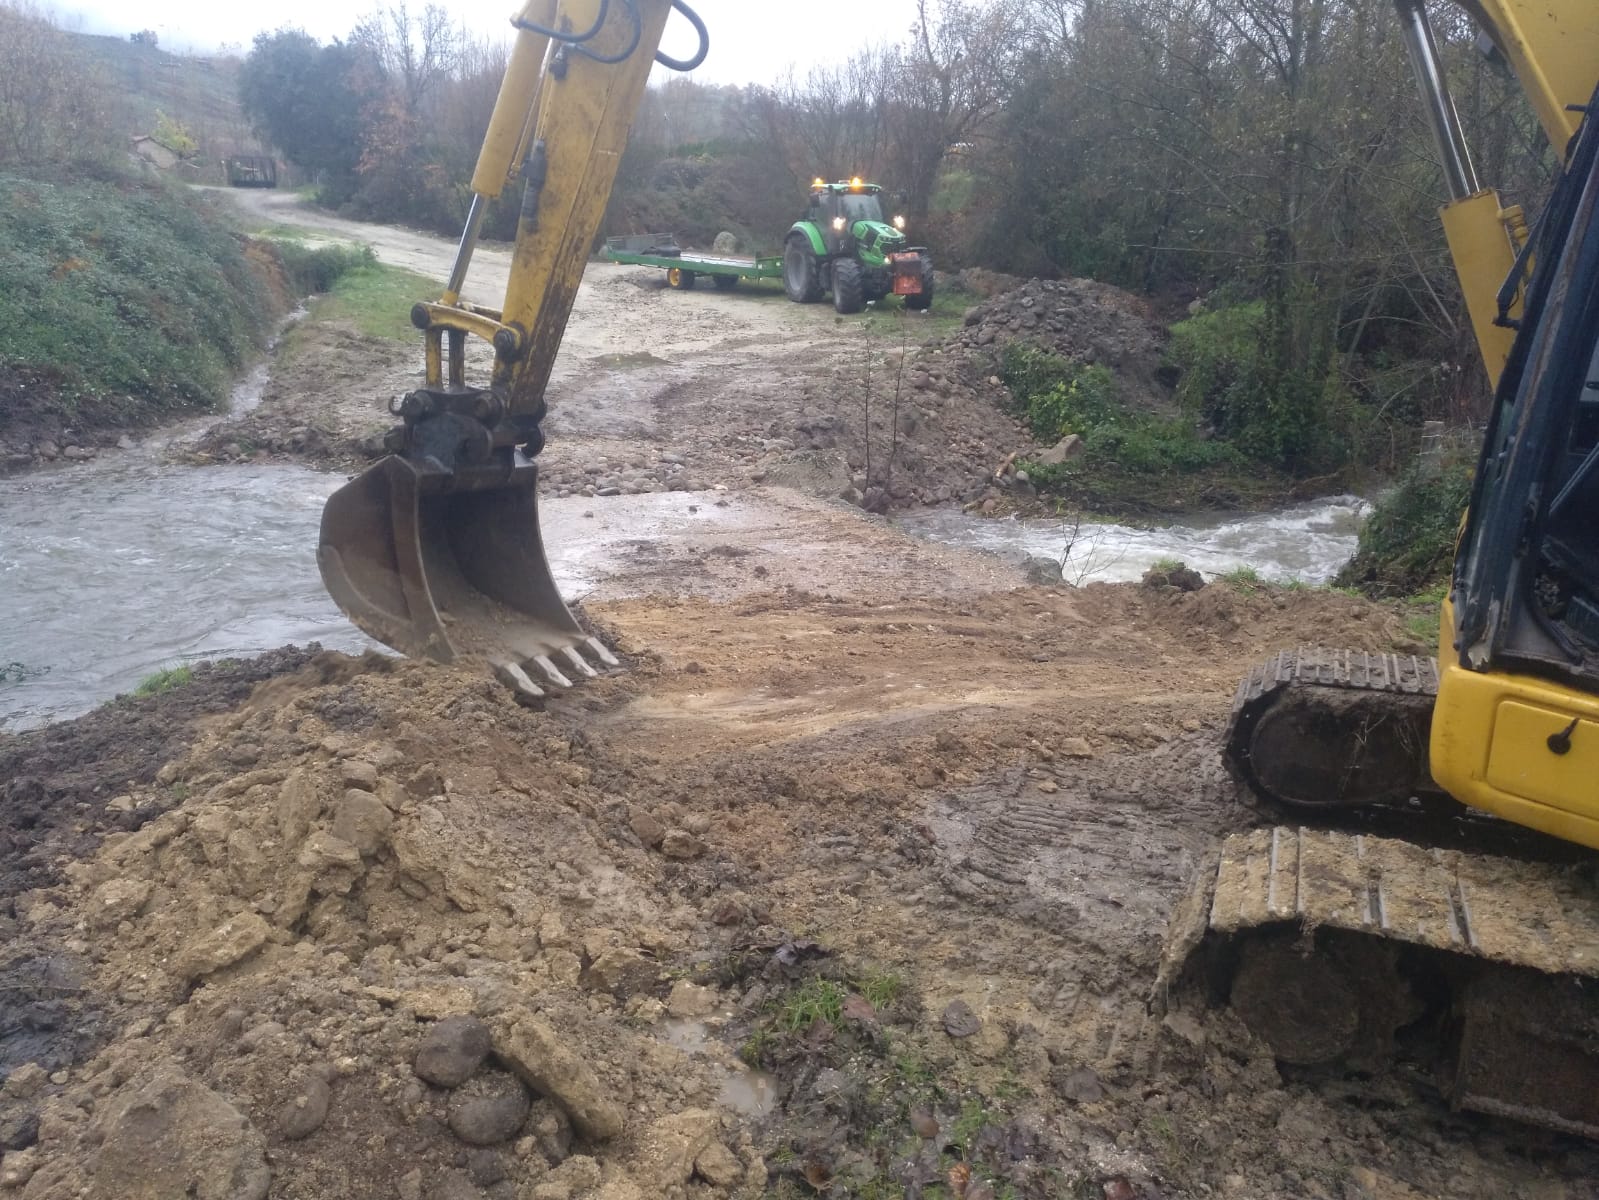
column 125, row 299
column 1266, row 156
column 1408, row 544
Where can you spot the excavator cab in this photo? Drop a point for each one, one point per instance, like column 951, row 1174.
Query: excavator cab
column 436, row 550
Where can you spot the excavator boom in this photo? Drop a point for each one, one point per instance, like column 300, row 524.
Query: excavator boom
column 436, row 550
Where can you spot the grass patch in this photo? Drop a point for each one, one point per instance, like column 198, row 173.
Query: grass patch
column 1244, row 580
column 165, row 680
column 815, row 1000
column 880, row 991
column 377, row 299
column 889, row 317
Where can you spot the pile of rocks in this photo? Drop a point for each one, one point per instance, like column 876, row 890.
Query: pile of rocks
column 1079, row 319
column 378, row 965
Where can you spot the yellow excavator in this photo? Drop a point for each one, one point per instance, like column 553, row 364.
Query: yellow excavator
column 436, row 551
column 1428, row 894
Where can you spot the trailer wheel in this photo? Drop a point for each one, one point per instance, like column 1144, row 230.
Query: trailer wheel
column 849, row 295
column 677, row 277
column 923, row 301
column 725, row 283
column 801, row 278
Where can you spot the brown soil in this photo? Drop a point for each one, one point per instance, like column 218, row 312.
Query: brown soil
column 900, row 833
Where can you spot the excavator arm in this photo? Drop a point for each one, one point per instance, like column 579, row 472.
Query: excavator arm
column 436, row 550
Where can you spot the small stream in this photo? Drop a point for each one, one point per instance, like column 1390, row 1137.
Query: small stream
column 112, row 570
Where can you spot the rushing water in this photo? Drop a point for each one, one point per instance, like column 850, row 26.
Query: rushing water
column 112, row 570
column 1307, row 542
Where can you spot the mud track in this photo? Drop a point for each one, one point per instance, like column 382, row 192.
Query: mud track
column 870, row 816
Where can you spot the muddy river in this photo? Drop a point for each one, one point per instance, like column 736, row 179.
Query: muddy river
column 117, row 570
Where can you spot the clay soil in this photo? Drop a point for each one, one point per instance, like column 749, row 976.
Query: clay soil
column 852, row 884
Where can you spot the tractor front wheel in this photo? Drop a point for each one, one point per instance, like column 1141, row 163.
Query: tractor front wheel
column 801, row 278
column 924, row 299
column 677, row 277
column 849, row 286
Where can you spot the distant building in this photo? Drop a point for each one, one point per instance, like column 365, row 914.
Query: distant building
column 160, row 156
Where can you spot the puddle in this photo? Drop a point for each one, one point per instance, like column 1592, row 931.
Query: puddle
column 747, row 1092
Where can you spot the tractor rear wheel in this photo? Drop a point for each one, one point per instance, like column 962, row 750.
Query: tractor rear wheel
column 849, row 286
column 924, row 300
column 725, row 283
column 680, row 279
column 801, row 278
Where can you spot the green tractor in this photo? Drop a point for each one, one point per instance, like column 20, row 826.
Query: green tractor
column 844, row 245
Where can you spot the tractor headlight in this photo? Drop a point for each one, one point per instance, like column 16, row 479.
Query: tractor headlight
column 899, row 223
column 838, row 224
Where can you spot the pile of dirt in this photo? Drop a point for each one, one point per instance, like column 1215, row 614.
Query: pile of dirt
column 393, row 935
column 935, row 424
column 1079, row 319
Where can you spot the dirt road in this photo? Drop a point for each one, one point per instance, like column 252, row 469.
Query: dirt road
column 869, row 818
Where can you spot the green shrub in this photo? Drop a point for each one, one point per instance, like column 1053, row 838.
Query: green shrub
column 317, row 269
column 1407, row 545
column 1235, row 380
column 1057, row 396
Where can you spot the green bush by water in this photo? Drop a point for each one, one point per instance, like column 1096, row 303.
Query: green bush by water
column 316, row 269
column 1057, row 397
column 1407, row 546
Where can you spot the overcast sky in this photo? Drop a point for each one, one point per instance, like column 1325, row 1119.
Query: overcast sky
column 752, row 41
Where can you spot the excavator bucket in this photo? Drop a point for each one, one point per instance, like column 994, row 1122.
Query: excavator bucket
column 452, row 565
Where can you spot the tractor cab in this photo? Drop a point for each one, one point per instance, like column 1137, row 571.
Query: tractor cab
column 852, row 210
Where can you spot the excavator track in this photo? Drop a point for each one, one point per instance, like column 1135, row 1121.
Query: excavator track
column 1333, row 948
column 1361, row 928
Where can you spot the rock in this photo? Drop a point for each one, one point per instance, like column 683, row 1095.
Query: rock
column 230, row 942
column 489, row 1109
column 572, row 1180
column 1042, row 570
column 49, row 451
column 544, row 1060
column 410, row 1185
column 174, row 1137
column 691, row 1000
column 485, row 1167
column 362, row 820
column 718, row 1166
column 303, row 1113
column 1075, row 747
column 125, row 443
column 452, row 1185
column 1069, row 447
column 24, row 1082
column 959, row 1020
column 19, row 1129
column 621, row 972
column 358, row 774
column 298, row 806
column 682, row 845
column 78, row 453
column 1181, row 577
column 452, row 1050
column 549, row 1130
column 1081, row 1086
column 670, row 1147
column 726, row 243
column 334, row 863
column 649, row 831
column 18, row 1167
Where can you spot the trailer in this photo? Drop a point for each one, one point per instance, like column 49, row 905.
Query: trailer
column 251, row 170
column 683, row 269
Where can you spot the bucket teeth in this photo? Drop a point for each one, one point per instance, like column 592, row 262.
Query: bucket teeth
column 551, row 672
column 578, row 664
column 519, row 681
column 602, row 652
